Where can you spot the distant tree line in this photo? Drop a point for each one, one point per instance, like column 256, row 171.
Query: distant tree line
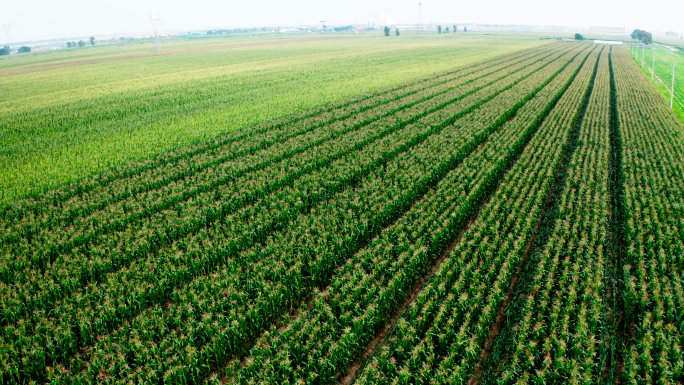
column 643, row 36
column 387, row 31
column 80, row 44
column 6, row 50
column 446, row 30
column 236, row 30
column 440, row 29
column 674, row 34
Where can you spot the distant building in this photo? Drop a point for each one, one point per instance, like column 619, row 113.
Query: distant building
column 554, row 28
column 193, row 33
column 343, row 29
column 141, row 36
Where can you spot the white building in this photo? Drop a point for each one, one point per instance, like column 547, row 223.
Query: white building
column 607, row 42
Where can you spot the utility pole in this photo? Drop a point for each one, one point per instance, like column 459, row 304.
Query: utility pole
column 155, row 28
column 636, row 51
column 672, row 89
column 643, row 53
column 419, row 33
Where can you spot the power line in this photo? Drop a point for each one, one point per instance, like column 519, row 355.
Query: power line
column 662, row 79
column 7, row 31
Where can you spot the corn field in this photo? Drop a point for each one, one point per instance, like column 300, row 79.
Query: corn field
column 515, row 221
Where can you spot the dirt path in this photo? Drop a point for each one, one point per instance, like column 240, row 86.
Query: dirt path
column 417, row 288
column 19, row 71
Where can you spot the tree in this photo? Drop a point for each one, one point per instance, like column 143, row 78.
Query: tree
column 5, row 50
column 579, row 37
column 643, row 36
column 397, row 31
column 647, row 38
column 387, row 31
column 92, row 40
column 81, row 44
column 73, row 44
column 24, row 49
column 465, row 29
column 447, row 29
column 439, row 29
column 455, row 29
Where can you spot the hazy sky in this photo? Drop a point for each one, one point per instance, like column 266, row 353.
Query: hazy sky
column 48, row 19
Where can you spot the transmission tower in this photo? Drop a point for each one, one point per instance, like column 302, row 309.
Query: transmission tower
column 155, row 28
column 419, row 32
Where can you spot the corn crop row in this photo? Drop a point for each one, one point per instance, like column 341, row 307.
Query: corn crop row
column 369, row 288
column 559, row 320
column 652, row 146
column 441, row 336
column 128, row 291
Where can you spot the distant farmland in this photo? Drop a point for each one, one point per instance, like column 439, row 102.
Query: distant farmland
column 67, row 114
column 518, row 219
